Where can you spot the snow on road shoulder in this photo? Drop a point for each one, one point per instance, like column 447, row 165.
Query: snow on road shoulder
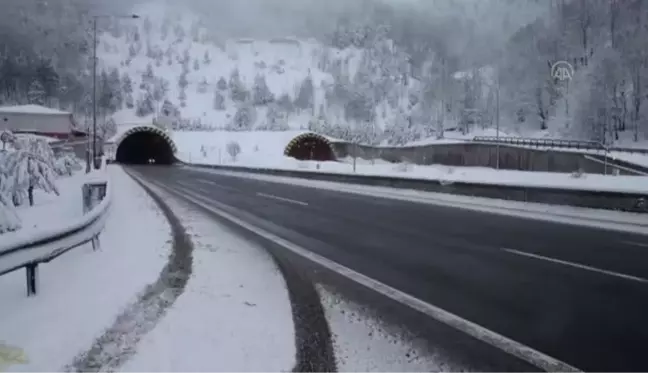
column 81, row 292
column 234, row 314
column 363, row 344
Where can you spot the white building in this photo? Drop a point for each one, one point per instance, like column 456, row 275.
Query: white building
column 38, row 120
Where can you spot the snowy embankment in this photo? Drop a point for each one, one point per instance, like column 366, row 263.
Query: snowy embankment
column 82, row 291
column 264, row 151
column 235, row 313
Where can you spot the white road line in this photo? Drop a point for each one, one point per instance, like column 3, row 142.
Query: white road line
column 577, row 265
column 204, row 181
column 470, row 328
column 633, row 243
column 282, row 199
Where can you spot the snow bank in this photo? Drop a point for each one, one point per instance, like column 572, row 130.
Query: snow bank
column 234, row 314
column 258, row 148
column 81, row 292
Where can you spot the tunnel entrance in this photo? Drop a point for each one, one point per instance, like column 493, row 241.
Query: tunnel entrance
column 145, row 146
column 310, row 146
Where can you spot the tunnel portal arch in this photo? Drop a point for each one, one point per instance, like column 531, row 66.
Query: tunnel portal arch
column 145, row 144
column 310, row 146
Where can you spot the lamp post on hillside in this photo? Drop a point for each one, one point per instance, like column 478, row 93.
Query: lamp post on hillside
column 94, row 84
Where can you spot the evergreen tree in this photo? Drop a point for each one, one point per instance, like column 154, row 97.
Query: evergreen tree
column 145, row 104
column 238, row 93
column 219, row 101
column 262, row 94
column 36, row 93
column 304, row 99
column 222, row 84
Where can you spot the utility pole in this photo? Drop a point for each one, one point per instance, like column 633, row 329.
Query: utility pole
column 94, row 87
column 497, row 118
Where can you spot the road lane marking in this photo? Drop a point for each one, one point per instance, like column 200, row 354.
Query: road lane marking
column 633, row 243
column 512, row 347
column 577, row 265
column 210, row 182
column 282, row 199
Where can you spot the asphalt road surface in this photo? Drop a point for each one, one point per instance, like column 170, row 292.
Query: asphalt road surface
column 577, row 294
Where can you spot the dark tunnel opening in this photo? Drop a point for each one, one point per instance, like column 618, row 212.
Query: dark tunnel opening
column 145, row 147
column 311, row 148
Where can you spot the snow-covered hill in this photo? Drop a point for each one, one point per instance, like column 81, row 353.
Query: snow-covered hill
column 376, row 83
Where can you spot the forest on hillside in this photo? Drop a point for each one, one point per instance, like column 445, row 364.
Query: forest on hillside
column 474, row 63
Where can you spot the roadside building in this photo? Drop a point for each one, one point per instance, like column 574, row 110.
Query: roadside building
column 39, row 120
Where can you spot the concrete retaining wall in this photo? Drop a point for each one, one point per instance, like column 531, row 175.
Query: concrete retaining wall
column 481, row 155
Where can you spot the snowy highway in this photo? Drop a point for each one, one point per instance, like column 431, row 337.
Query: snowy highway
column 552, row 295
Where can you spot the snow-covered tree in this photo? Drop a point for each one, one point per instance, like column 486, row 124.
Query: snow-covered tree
column 145, row 104
column 196, row 65
column 238, row 92
column 285, row 103
column 30, row 165
column 261, row 93
column 182, row 96
column 219, row 101
column 275, row 120
column 243, row 119
column 304, row 98
column 36, row 94
column 222, row 84
column 182, row 81
column 233, row 149
column 206, row 58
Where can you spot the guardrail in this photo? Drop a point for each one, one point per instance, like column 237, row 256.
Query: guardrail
column 556, row 143
column 621, row 201
column 48, row 244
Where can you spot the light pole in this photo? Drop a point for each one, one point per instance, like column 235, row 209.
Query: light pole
column 94, row 84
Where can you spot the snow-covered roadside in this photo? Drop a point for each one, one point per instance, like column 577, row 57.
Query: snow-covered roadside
column 82, row 291
column 234, row 314
column 51, row 209
column 363, row 344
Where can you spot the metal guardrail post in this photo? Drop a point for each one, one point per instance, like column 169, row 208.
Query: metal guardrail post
column 31, row 272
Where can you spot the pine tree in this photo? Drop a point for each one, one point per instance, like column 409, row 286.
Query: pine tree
column 36, row 93
column 145, row 104
column 182, row 96
column 219, row 101
column 262, row 94
column 182, row 81
column 207, row 58
column 127, row 83
column 160, row 89
column 238, row 93
column 222, row 84
column 304, row 99
column 148, row 75
column 196, row 65
column 285, row 103
column 244, row 118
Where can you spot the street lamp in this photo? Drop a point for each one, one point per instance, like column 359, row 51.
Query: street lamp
column 94, row 84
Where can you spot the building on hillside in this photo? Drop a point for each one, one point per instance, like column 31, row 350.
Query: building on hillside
column 39, row 120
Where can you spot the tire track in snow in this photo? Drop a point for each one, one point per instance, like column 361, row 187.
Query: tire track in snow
column 119, row 342
column 313, row 339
